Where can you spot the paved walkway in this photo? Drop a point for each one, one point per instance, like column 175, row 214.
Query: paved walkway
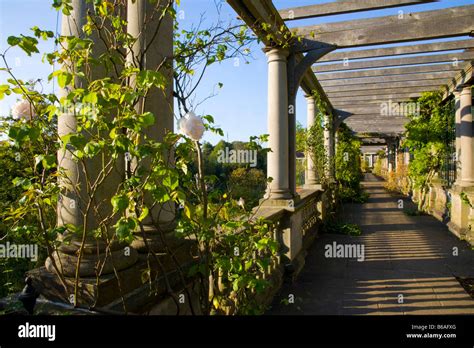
column 409, row 266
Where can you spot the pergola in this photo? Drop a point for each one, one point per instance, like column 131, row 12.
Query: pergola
column 348, row 86
column 358, row 84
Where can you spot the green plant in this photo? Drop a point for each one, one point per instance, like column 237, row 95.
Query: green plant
column 315, row 147
column 428, row 135
column 107, row 93
column 348, row 167
column 343, row 228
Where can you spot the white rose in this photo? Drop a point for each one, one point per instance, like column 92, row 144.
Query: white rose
column 23, row 110
column 191, row 126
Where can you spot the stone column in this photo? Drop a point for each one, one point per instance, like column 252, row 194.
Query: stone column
column 457, row 107
column 329, row 146
column 395, row 155
column 334, row 143
column 467, row 137
column 278, row 158
column 462, row 215
column 311, row 175
column 74, row 198
column 387, row 158
column 148, row 55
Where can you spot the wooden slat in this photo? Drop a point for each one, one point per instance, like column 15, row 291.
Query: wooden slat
column 382, row 92
column 450, row 22
column 376, row 110
column 343, row 6
column 378, row 97
column 399, row 50
column 384, row 85
column 383, row 63
column 395, row 78
column 390, row 71
column 360, row 103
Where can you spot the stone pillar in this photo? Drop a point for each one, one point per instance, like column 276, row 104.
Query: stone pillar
column 387, row 158
column 159, row 102
column 329, row 146
column 462, row 215
column 311, row 175
column 457, row 107
column 466, row 138
column 74, row 198
column 334, row 141
column 278, row 157
column 395, row 155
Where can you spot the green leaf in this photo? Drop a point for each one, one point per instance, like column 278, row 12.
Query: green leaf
column 125, row 228
column 147, row 119
column 25, row 183
column 91, row 149
column 28, row 45
column 13, row 40
column 144, row 214
column 171, row 180
column 90, row 98
column 160, row 194
column 64, row 78
column 150, row 78
column 120, row 203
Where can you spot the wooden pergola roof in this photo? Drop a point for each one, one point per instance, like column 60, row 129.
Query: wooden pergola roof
column 358, row 82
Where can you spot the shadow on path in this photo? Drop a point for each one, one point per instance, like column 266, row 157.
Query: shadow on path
column 409, row 268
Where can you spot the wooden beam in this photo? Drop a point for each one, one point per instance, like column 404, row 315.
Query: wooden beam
column 390, row 71
column 455, row 58
column 361, row 103
column 373, row 92
column 450, row 22
column 399, row 50
column 384, row 85
column 465, row 76
column 254, row 13
column 372, row 119
column 378, row 97
column 374, row 111
column 395, row 78
column 341, row 7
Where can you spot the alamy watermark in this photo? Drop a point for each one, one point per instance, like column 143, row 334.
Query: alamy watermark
column 238, row 156
column 345, row 251
column 399, row 108
column 24, row 251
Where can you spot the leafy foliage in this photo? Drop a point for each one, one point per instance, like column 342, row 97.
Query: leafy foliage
column 348, row 167
column 343, row 228
column 316, row 149
column 234, row 249
column 427, row 137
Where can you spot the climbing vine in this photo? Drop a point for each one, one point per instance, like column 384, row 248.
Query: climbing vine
column 232, row 249
column 348, row 166
column 428, row 137
column 316, row 149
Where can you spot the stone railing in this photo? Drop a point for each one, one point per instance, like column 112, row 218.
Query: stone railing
column 297, row 226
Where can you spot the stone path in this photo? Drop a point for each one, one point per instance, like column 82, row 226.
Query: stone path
column 409, row 266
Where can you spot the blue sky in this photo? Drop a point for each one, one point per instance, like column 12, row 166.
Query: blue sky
column 239, row 107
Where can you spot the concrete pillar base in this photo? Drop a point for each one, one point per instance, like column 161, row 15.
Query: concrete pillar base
column 91, row 263
column 156, row 240
column 462, row 214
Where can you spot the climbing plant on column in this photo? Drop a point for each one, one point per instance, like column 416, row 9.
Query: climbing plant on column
column 348, row 167
column 428, row 137
column 234, row 250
